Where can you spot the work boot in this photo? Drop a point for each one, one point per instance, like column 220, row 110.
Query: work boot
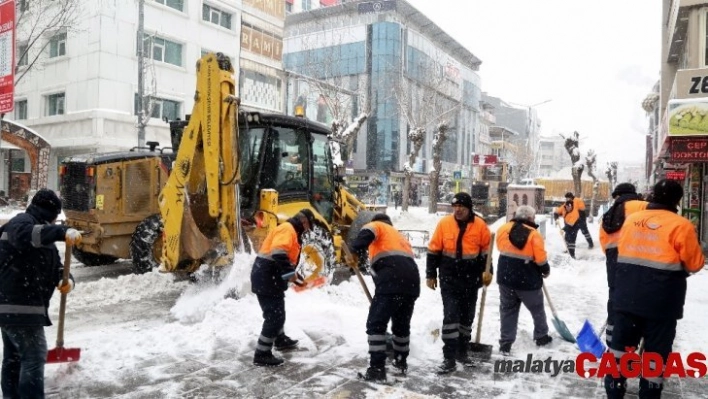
column 505, row 348
column 448, row 365
column 591, row 245
column 462, row 355
column 400, row 363
column 283, row 342
column 266, row 359
column 375, row 374
column 545, row 340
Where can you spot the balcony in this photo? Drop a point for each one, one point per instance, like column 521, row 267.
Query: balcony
column 677, row 26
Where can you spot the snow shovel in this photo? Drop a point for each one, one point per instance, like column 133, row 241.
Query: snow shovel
column 477, row 350
column 588, row 341
column 60, row 354
column 353, row 264
column 558, row 323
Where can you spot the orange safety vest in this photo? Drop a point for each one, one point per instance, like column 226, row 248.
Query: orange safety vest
column 570, row 217
column 578, row 204
column 282, row 240
column 660, row 239
column 533, row 251
column 474, row 242
column 607, row 240
column 388, row 242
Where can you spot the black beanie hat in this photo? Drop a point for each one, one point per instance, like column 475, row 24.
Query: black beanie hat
column 667, row 192
column 624, row 188
column 47, row 200
column 569, row 195
column 463, row 199
column 382, row 217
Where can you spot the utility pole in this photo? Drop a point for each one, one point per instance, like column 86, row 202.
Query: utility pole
column 141, row 73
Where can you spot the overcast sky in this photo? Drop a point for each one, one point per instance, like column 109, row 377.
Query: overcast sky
column 595, row 60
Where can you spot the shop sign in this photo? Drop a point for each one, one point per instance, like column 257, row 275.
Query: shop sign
column 376, row 6
column 7, row 56
column 688, row 117
column 483, row 160
column 675, row 174
column 689, row 150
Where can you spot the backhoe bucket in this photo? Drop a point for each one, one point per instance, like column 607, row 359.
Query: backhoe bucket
column 194, row 244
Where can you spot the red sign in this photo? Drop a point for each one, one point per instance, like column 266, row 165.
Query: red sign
column 483, row 160
column 7, row 56
column 689, row 150
column 676, row 174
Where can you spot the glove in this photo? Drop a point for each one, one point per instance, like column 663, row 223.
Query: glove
column 486, row 278
column 72, row 237
column 544, row 275
column 66, row 288
column 555, row 216
column 545, row 270
column 298, row 279
column 432, row 283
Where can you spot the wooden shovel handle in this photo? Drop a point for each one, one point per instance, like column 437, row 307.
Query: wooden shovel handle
column 353, row 264
column 62, row 302
column 487, row 267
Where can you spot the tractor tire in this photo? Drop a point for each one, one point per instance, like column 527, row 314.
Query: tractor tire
column 90, row 259
column 362, row 218
column 146, row 245
column 317, row 256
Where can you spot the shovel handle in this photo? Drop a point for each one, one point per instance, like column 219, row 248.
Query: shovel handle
column 548, row 298
column 62, row 301
column 487, row 267
column 355, row 267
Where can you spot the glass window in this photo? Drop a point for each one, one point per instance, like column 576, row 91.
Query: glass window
column 176, row 4
column 22, row 56
column 57, row 45
column 22, row 5
column 216, row 16
column 21, row 109
column 161, row 108
column 55, row 104
column 322, row 182
column 163, row 50
column 306, row 5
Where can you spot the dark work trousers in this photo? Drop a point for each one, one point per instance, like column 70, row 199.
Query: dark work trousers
column 273, row 308
column 399, row 310
column 458, row 314
column 611, row 263
column 658, row 336
column 571, row 234
column 510, row 301
column 24, row 356
column 583, row 225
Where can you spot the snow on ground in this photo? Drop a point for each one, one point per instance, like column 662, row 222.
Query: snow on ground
column 202, row 319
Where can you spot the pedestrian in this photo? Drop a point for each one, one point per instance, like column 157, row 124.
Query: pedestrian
column 521, row 268
column 30, row 271
column 397, row 282
column 273, row 268
column 626, row 202
column 458, row 250
column 579, row 204
column 657, row 250
column 571, row 225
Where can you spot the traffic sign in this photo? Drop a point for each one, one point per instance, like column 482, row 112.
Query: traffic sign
column 457, row 175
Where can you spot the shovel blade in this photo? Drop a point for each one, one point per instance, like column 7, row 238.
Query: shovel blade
column 480, row 351
column 63, row 355
column 563, row 330
column 314, row 283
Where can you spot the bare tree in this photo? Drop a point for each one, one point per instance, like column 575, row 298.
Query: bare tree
column 37, row 22
column 438, row 140
column 611, row 173
column 590, row 162
column 521, row 158
column 424, row 98
column 572, row 146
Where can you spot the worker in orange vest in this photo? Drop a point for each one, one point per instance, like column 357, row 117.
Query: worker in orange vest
column 458, row 249
column 657, row 251
column 579, row 204
column 397, row 283
column 571, row 217
column 626, row 202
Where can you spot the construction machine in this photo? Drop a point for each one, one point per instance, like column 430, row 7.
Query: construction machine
column 232, row 176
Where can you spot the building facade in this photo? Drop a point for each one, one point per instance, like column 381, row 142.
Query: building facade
column 81, row 93
column 397, row 64
column 552, row 156
column 681, row 139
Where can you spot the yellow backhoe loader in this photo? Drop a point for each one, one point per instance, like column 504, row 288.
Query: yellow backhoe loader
column 233, row 176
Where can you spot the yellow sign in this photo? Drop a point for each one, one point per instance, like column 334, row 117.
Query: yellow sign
column 99, row 202
column 688, row 117
column 274, row 8
column 261, row 43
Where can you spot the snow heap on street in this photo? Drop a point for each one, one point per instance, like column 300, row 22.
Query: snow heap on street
column 204, row 318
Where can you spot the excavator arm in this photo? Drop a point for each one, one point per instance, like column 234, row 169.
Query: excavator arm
column 199, row 202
